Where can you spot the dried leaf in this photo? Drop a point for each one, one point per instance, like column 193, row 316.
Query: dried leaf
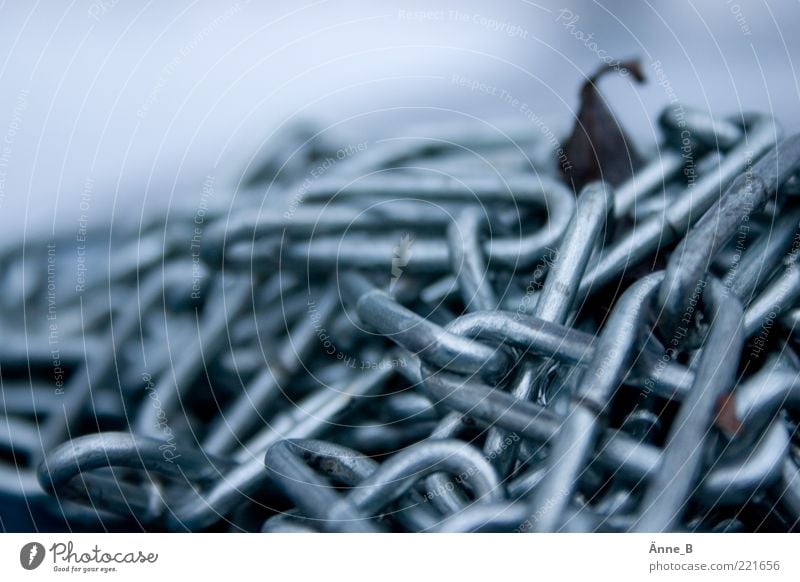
column 598, row 147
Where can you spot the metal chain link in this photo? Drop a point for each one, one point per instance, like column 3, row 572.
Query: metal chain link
column 435, row 335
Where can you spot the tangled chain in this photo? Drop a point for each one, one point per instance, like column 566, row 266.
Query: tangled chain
column 423, row 334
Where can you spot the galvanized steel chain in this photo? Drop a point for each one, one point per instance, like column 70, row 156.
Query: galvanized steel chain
column 431, row 334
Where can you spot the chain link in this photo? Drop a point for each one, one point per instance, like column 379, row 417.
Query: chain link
column 436, row 335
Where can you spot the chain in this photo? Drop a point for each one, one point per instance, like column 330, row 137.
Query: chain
column 432, row 333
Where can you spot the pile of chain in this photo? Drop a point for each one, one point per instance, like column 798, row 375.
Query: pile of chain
column 433, row 333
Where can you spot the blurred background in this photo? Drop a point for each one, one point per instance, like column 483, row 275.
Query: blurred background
column 117, row 111
column 115, row 108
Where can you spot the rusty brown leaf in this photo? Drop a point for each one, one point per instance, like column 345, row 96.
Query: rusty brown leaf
column 598, row 148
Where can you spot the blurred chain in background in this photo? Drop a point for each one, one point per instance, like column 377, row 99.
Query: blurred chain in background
column 426, row 334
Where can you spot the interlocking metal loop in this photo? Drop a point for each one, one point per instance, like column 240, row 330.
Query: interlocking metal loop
column 428, row 332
